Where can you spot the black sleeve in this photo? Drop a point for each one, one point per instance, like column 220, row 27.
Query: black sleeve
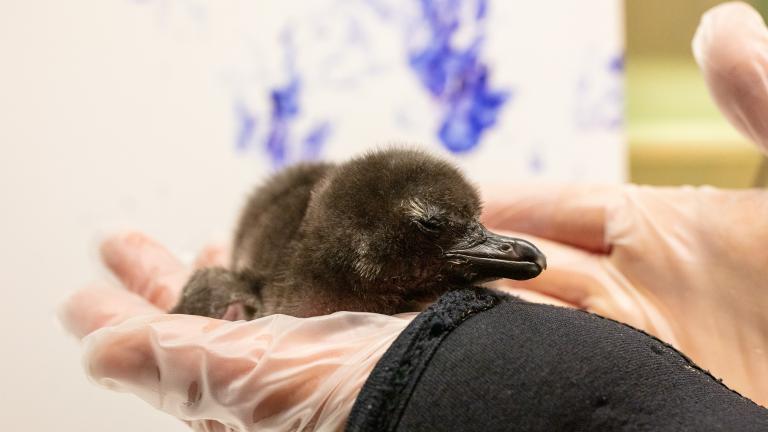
column 482, row 361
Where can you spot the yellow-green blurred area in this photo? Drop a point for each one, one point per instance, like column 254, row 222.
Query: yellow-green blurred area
column 676, row 133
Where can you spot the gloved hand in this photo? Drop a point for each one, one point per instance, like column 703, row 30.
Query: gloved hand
column 274, row 373
column 688, row 265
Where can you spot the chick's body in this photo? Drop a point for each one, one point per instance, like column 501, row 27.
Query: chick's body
column 268, row 233
column 262, row 249
column 377, row 233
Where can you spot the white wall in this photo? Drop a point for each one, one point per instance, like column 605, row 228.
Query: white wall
column 120, row 113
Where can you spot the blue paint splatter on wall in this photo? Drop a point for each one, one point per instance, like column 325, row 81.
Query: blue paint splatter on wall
column 600, row 95
column 246, row 122
column 616, row 64
column 615, row 95
column 280, row 141
column 313, row 142
column 482, row 9
column 284, row 104
column 285, row 109
column 455, row 76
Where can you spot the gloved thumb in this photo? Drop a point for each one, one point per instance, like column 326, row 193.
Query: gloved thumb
column 731, row 48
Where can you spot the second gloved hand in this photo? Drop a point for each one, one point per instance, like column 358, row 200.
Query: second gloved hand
column 685, row 264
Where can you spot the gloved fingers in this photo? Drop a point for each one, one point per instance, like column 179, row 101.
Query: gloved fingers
column 243, row 374
column 101, row 305
column 573, row 215
column 213, row 255
column 570, row 277
column 162, row 359
column 145, row 267
column 731, row 48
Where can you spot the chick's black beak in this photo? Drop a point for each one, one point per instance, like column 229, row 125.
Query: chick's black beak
column 493, row 256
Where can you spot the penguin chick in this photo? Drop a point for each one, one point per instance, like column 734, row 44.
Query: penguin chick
column 378, row 233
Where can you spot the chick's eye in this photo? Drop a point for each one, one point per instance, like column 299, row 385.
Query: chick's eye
column 432, row 225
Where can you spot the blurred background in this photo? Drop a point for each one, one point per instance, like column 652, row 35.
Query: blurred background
column 160, row 115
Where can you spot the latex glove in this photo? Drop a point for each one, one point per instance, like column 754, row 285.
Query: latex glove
column 731, row 47
column 688, row 265
column 274, row 373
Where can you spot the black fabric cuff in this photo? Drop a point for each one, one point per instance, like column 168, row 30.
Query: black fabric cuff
column 481, row 360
